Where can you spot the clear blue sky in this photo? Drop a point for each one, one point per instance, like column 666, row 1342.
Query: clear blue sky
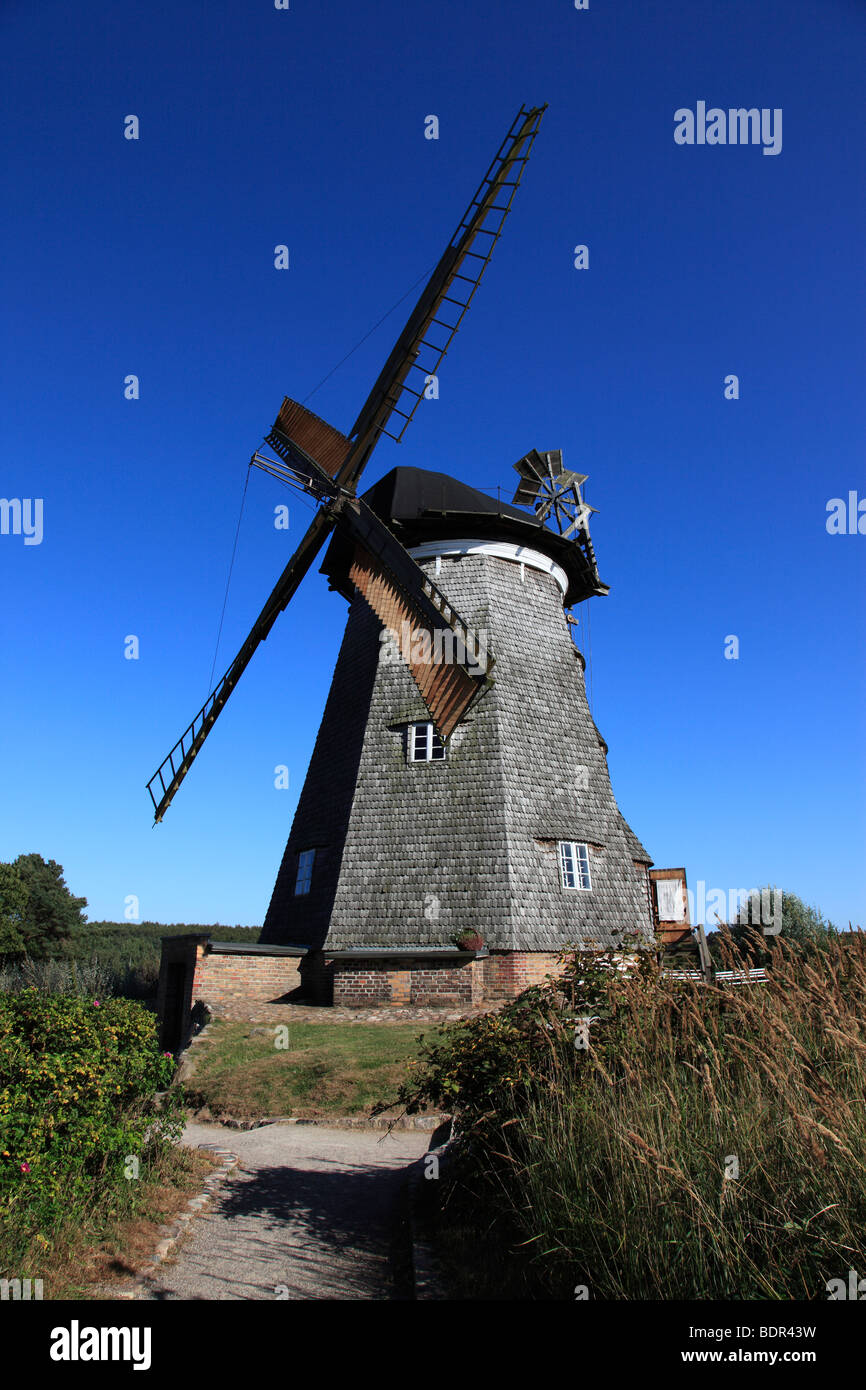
column 155, row 257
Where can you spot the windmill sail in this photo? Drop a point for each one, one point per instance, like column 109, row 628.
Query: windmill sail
column 446, row 686
column 434, row 641
column 328, row 464
column 300, row 436
column 172, row 770
column 431, row 325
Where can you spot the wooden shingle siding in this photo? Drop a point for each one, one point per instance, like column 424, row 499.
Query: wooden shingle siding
column 418, row 851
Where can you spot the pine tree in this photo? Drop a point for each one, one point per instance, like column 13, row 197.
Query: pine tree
column 13, row 910
column 52, row 913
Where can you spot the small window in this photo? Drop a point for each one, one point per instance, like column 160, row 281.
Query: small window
column 425, row 745
column 305, row 871
column 574, row 865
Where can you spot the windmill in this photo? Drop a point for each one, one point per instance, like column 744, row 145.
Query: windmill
column 458, row 782
column 327, row 465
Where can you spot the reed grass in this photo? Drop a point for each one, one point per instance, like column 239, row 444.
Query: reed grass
column 710, row 1143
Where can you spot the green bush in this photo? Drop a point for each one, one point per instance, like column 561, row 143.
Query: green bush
column 78, row 1079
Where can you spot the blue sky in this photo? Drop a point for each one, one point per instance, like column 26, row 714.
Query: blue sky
column 155, row 257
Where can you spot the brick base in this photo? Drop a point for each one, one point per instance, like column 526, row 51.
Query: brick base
column 228, row 979
column 508, row 973
column 410, row 982
column 196, row 970
column 497, row 977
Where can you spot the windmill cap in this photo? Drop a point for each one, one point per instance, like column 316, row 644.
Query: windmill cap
column 420, row 506
column 416, row 496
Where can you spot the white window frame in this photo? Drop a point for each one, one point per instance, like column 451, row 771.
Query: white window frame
column 304, row 875
column 574, row 865
column 428, row 757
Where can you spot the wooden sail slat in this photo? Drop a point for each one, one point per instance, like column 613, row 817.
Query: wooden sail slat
column 446, row 686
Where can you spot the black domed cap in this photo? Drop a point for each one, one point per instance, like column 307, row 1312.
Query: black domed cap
column 420, row 506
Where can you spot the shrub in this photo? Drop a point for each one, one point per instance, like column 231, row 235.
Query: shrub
column 78, row 1078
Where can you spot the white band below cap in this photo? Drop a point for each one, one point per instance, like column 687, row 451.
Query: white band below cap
column 501, row 550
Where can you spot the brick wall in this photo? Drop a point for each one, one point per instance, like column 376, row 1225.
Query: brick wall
column 501, row 975
column 231, row 978
column 505, row 974
column 317, row 978
column 175, row 990
column 192, row 971
column 360, row 982
column 420, row 982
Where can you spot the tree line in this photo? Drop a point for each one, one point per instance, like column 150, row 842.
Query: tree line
column 41, row 919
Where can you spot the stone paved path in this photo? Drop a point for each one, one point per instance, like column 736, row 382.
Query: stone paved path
column 310, row 1213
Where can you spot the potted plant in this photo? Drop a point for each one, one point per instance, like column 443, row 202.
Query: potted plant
column 469, row 940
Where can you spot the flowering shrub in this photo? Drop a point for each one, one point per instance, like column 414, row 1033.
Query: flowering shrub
column 77, row 1097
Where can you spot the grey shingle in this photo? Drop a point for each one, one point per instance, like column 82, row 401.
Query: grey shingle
column 410, row 853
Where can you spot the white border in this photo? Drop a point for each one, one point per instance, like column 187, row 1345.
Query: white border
column 573, row 846
column 502, row 550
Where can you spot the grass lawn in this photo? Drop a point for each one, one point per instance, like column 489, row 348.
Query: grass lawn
column 326, row 1069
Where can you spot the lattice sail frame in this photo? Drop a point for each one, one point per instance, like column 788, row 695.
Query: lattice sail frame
column 484, row 217
column 328, row 464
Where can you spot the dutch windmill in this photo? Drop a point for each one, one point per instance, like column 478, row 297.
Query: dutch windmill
column 458, row 789
column 327, row 465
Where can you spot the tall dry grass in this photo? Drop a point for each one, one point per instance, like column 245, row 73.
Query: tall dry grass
column 710, row 1143
column 84, row 979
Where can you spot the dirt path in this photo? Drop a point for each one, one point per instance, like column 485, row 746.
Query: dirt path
column 309, row 1213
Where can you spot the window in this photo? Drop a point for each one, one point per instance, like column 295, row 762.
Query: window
column 425, row 745
column 574, row 865
column 305, row 871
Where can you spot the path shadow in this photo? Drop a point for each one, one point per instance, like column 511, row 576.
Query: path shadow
column 336, row 1201
column 339, row 1231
